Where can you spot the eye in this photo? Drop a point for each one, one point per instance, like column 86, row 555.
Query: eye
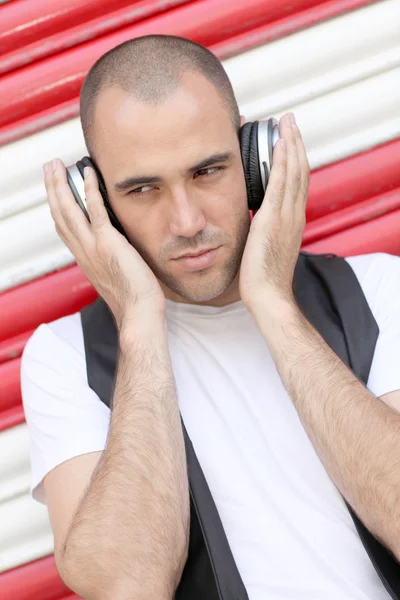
column 139, row 191
column 207, row 172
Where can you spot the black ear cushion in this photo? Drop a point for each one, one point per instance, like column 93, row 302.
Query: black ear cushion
column 250, row 159
column 88, row 162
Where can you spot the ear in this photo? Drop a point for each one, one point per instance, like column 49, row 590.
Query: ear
column 242, row 120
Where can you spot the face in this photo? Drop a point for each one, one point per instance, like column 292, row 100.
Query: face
column 175, row 180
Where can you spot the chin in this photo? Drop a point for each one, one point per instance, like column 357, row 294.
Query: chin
column 200, row 296
column 201, row 287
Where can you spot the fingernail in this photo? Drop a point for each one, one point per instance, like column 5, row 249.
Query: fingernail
column 86, row 172
column 45, row 168
column 293, row 119
column 54, row 164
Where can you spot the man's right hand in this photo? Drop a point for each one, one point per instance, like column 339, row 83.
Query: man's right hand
column 113, row 266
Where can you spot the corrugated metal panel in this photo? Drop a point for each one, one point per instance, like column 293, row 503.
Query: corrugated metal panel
column 326, row 87
column 30, row 31
column 25, row 530
column 59, row 78
column 335, row 121
column 207, row 21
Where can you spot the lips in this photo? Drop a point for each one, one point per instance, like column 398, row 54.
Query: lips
column 194, row 255
column 200, row 261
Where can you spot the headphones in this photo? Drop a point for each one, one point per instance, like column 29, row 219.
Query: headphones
column 257, row 141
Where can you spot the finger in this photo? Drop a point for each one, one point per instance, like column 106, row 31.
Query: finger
column 304, row 164
column 293, row 174
column 277, row 178
column 48, row 183
column 52, row 200
column 94, row 201
column 70, row 218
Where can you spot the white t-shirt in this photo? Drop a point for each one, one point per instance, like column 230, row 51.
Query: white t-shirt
column 289, row 529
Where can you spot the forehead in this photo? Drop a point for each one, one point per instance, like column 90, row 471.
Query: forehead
column 190, row 121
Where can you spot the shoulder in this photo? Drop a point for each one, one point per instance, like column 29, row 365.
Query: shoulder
column 65, row 417
column 379, row 277
column 55, row 340
column 55, row 351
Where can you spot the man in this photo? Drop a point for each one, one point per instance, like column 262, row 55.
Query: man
column 283, row 430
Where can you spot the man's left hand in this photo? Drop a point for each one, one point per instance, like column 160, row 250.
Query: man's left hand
column 276, row 231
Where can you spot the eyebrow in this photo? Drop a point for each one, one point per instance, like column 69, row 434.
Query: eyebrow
column 129, row 182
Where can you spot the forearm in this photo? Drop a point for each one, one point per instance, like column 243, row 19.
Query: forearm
column 356, row 435
column 129, row 536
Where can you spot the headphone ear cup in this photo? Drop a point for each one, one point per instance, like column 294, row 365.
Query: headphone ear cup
column 88, row 162
column 248, row 137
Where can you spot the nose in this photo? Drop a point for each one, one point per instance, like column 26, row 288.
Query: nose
column 186, row 217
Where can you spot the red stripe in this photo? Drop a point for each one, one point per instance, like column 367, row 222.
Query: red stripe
column 50, row 82
column 351, row 216
column 48, row 298
column 354, row 179
column 10, row 389
column 39, row 121
column 63, row 35
column 35, row 580
column 23, row 21
column 379, row 235
column 12, row 348
column 11, row 418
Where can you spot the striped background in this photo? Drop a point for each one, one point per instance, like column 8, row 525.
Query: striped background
column 335, row 64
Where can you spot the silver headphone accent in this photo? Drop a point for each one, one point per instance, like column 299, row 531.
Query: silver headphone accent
column 268, row 135
column 77, row 186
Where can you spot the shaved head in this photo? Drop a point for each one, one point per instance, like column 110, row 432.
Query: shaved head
column 150, row 68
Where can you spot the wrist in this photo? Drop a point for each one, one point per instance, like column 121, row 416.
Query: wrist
column 273, row 303
column 135, row 327
column 275, row 311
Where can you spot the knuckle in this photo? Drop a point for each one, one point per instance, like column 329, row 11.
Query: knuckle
column 71, row 225
column 294, row 186
column 278, row 193
column 280, row 189
column 57, row 187
column 100, row 224
column 97, row 211
column 57, row 181
column 305, row 182
column 88, row 185
column 281, row 170
column 304, row 188
column 99, row 218
column 104, row 253
column 60, row 232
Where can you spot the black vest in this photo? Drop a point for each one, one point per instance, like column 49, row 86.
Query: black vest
column 331, row 298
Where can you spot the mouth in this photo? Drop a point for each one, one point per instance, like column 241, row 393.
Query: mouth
column 198, row 261
column 194, row 254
